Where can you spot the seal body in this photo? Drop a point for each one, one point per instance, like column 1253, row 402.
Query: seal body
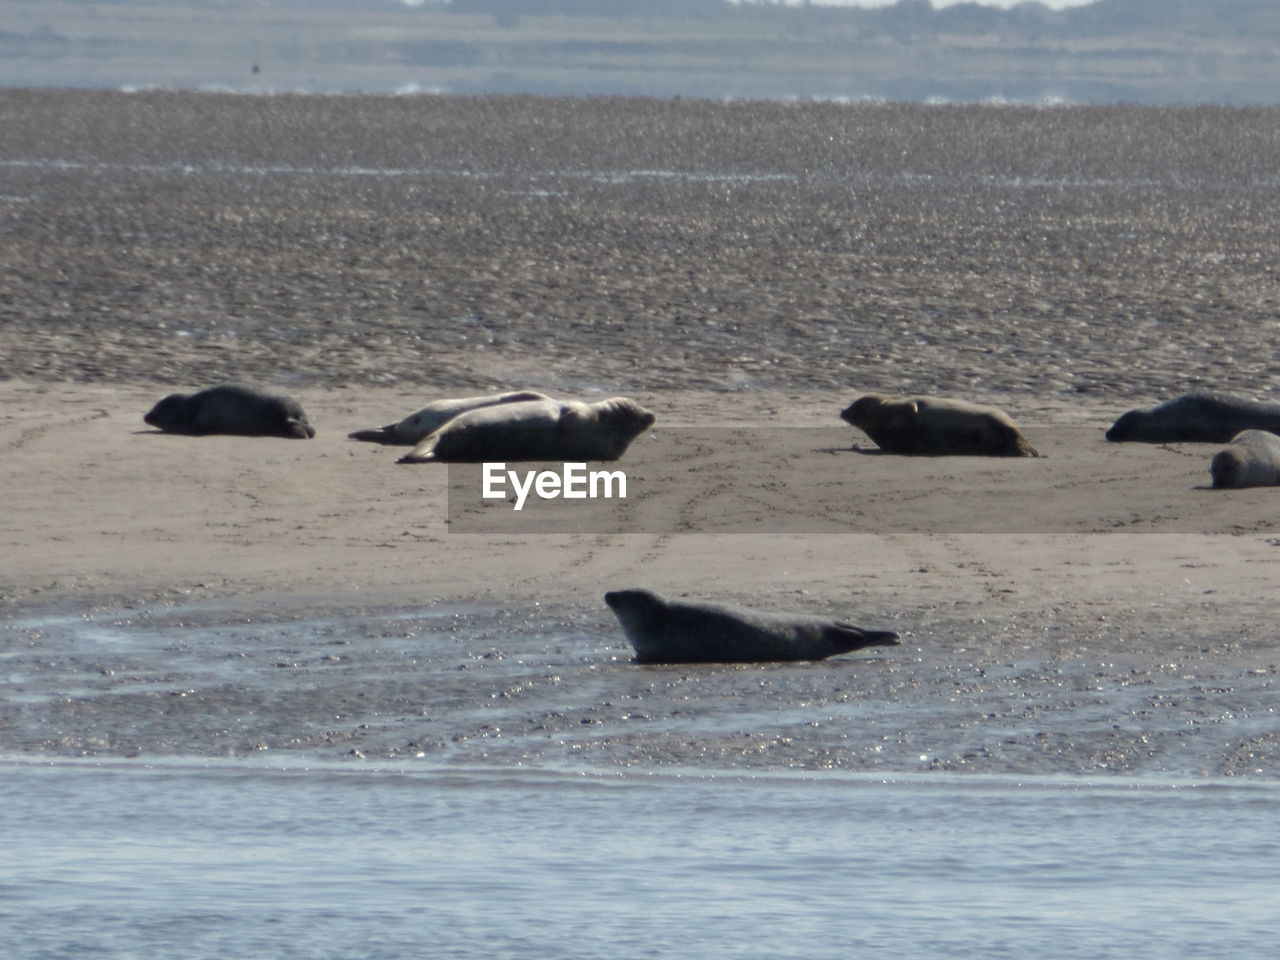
column 231, row 409
column 434, row 415
column 677, row 632
column 1197, row 418
column 1252, row 460
column 931, row 425
column 536, row 430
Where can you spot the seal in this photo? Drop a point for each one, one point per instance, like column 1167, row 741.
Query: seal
column 231, row 409
column 931, row 425
column 407, row 432
column 1252, row 460
column 536, row 430
column 1197, row 418
column 677, row 632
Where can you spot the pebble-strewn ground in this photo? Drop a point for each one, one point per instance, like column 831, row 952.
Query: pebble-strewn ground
column 1073, row 697
column 637, row 244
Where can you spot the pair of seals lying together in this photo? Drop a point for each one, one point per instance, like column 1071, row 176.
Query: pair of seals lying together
column 524, row 425
column 1251, row 428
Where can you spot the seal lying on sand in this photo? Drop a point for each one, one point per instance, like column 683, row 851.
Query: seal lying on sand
column 436, row 414
column 664, row 632
column 1197, row 418
column 1252, row 460
column 536, row 430
column 234, row 409
column 932, row 425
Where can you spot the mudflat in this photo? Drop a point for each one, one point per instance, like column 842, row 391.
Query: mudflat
column 746, row 267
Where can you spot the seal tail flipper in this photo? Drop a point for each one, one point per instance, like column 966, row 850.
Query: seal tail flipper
column 1015, row 444
column 415, row 457
column 1018, row 445
column 424, row 452
column 383, row 435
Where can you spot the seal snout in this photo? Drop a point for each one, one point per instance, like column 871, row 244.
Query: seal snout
column 1226, row 468
column 619, row 600
column 882, row 638
column 853, row 413
column 1122, row 428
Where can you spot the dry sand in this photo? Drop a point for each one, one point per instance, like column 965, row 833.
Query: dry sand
column 1069, row 266
column 100, row 505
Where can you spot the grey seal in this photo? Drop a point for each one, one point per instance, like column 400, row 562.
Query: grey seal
column 933, row 425
column 1206, row 417
column 536, row 430
column 1252, row 460
column 410, row 430
column 679, row 632
column 231, row 408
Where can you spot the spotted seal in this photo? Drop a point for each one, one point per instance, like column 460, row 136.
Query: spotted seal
column 231, row 408
column 932, row 425
column 410, row 430
column 679, row 632
column 536, row 430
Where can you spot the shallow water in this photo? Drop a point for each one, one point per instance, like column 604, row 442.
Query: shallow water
column 126, row 859
column 1049, row 694
column 201, row 782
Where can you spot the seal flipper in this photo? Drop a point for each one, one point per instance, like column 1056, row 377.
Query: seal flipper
column 1018, row 446
column 383, row 435
column 415, row 457
column 300, row 429
column 424, row 452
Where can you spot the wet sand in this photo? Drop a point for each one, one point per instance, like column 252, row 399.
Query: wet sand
column 1065, row 264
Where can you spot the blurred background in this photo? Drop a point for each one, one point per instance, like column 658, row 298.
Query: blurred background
column 1068, row 51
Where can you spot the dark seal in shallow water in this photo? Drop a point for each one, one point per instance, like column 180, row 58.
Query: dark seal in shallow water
column 231, row 409
column 1197, row 418
column 676, row 632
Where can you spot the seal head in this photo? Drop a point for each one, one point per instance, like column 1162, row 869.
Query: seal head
column 1252, row 460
